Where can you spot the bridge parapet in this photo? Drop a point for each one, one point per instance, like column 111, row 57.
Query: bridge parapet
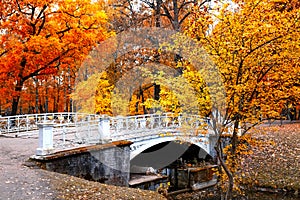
column 131, row 125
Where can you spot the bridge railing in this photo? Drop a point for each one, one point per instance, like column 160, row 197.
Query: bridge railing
column 131, row 126
column 69, row 135
column 91, row 130
column 20, row 123
column 55, row 137
column 73, row 129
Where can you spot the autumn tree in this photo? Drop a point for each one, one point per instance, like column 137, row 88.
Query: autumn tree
column 42, row 38
column 255, row 47
column 128, row 15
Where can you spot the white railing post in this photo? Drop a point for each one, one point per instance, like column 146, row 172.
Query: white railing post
column 104, row 129
column 8, row 124
column 143, row 123
column 45, row 139
column 64, row 131
column 27, row 122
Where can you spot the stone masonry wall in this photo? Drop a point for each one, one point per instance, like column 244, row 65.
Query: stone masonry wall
column 109, row 164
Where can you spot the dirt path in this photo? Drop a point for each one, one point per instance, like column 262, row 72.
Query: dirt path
column 18, row 181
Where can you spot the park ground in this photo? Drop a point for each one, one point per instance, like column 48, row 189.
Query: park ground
column 273, row 166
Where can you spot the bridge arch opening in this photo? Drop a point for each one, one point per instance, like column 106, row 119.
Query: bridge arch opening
column 169, row 153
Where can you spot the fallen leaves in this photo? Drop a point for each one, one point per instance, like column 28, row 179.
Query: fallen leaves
column 275, row 165
column 69, row 187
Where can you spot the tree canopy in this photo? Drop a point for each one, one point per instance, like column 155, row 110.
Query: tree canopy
column 42, row 38
column 255, row 46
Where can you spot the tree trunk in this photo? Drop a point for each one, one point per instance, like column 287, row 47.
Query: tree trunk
column 157, row 13
column 36, row 96
column 71, row 105
column 229, row 191
column 235, row 137
column 137, row 103
column 157, row 24
column 16, row 99
column 143, row 100
column 234, row 144
column 46, row 100
column 18, row 88
column 66, row 102
column 57, row 100
column 175, row 22
column 156, row 91
column 54, row 104
column 15, row 103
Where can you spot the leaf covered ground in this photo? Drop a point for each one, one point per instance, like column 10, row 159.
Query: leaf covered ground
column 276, row 164
column 69, row 187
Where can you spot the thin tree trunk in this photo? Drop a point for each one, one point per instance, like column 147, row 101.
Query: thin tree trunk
column 229, row 191
column 16, row 99
column 157, row 24
column 176, row 16
column 36, row 96
column 57, row 100
column 46, row 100
column 137, row 103
column 234, row 143
column 235, row 136
column 66, row 102
column 156, row 91
column 157, row 13
column 143, row 100
column 54, row 104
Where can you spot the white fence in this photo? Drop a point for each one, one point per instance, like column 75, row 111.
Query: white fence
column 21, row 123
column 73, row 129
column 132, row 126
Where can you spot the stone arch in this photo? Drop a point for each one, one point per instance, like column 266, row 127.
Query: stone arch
column 139, row 147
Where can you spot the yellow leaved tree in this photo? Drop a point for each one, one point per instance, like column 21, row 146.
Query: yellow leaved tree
column 254, row 45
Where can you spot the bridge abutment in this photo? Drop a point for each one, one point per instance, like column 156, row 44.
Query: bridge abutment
column 105, row 163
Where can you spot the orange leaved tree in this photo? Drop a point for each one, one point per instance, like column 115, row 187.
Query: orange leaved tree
column 41, row 38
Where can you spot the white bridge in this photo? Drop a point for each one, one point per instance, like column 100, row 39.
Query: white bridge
column 59, row 131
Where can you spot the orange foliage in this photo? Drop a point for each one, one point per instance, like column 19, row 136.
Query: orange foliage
column 44, row 41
